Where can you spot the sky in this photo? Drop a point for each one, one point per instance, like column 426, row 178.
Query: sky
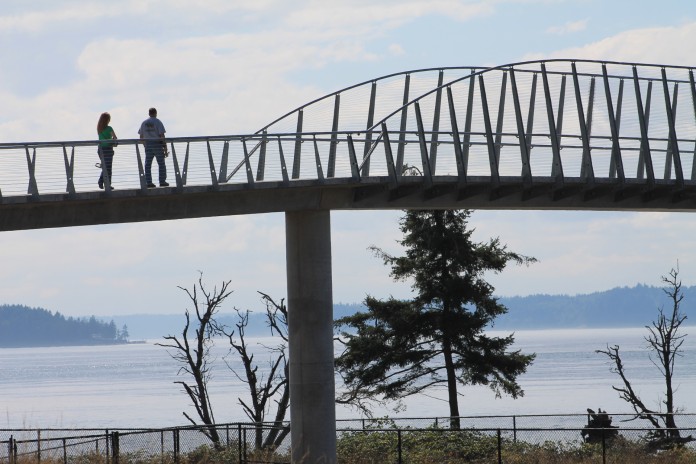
column 222, row 67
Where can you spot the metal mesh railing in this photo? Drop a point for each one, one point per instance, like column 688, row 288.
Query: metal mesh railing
column 481, row 439
column 570, row 120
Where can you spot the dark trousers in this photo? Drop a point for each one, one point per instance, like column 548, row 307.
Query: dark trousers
column 106, row 155
column 155, row 150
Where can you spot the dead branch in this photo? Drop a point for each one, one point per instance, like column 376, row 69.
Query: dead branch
column 194, row 359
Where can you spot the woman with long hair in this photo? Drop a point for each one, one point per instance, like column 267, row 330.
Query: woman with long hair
column 106, row 148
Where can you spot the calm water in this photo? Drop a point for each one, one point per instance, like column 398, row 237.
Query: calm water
column 134, row 385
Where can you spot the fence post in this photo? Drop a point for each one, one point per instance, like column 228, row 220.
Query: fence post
column 604, row 448
column 38, row 446
column 514, row 429
column 398, row 444
column 227, row 434
column 239, row 442
column 162, row 445
column 245, row 443
column 65, row 452
column 114, row 447
column 106, row 436
column 9, row 450
column 500, row 448
column 175, row 439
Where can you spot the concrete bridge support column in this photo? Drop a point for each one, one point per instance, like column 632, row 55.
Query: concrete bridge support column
column 310, row 328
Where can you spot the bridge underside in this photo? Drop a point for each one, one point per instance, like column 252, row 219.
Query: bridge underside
column 124, row 206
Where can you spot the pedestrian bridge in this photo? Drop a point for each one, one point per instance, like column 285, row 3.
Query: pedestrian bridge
column 556, row 134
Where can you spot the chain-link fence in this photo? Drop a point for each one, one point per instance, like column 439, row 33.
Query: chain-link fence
column 479, row 439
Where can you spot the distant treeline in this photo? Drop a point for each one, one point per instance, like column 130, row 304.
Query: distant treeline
column 619, row 307
column 22, row 326
column 616, row 308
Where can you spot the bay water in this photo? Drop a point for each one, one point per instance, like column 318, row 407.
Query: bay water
column 135, row 385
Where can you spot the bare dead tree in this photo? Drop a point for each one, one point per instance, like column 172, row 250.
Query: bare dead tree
column 194, row 355
column 264, row 388
column 277, row 319
column 664, row 342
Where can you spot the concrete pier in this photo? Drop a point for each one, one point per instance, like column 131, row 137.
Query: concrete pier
column 310, row 328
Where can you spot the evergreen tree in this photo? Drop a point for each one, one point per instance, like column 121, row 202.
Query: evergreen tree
column 399, row 348
column 25, row 326
column 123, row 334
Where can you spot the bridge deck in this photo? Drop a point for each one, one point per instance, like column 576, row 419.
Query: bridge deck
column 132, row 205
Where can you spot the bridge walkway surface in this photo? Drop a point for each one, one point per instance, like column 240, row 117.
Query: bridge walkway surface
column 554, row 134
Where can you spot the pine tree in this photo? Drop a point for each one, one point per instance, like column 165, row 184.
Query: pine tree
column 399, row 348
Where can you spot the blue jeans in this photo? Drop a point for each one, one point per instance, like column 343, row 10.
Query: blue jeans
column 106, row 155
column 155, row 149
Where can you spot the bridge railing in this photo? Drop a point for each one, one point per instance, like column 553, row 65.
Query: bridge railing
column 579, row 119
column 557, row 121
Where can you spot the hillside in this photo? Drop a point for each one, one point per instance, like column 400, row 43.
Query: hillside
column 618, row 307
column 22, row 326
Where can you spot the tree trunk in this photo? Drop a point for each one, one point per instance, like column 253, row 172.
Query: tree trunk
column 669, row 400
column 451, row 385
column 452, row 397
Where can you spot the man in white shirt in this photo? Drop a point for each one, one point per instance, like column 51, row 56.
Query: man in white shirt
column 152, row 132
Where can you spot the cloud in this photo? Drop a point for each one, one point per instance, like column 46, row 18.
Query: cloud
column 348, row 15
column 584, row 252
column 36, row 21
column 234, row 82
column 648, row 45
column 396, row 50
column 568, row 28
column 57, row 13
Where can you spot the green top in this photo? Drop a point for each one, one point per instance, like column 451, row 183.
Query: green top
column 107, row 134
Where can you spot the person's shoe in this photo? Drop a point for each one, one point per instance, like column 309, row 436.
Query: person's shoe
column 101, row 185
column 150, row 185
column 164, row 184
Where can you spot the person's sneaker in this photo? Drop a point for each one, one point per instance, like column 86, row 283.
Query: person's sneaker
column 164, row 184
column 151, row 185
